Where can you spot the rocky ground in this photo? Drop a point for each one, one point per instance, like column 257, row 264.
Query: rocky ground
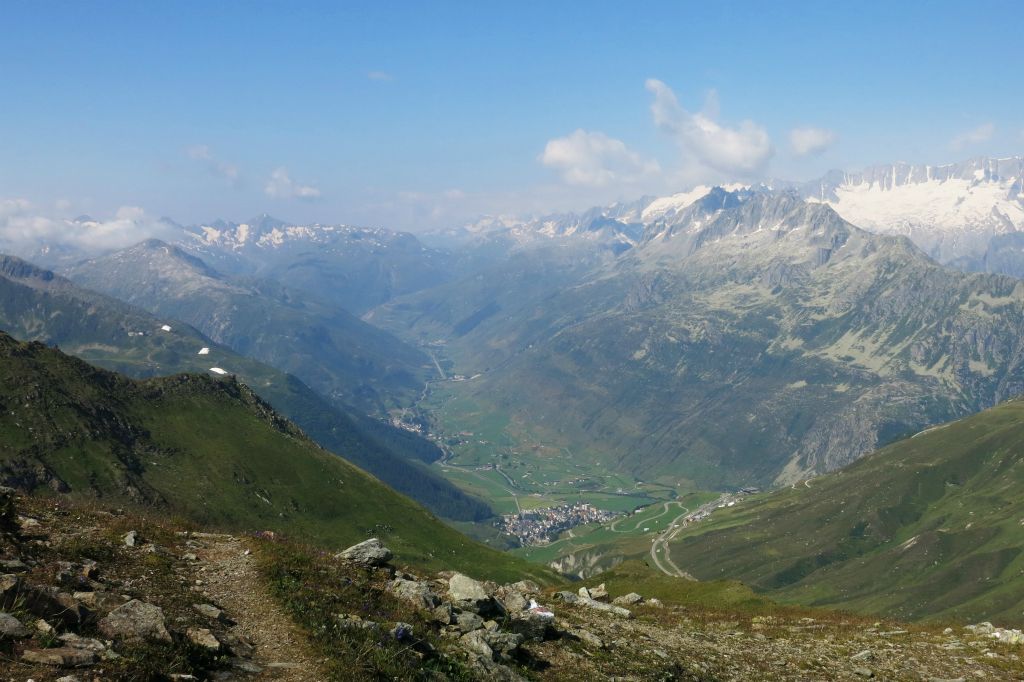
column 94, row 594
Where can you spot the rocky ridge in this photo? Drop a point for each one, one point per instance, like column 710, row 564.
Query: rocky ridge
column 164, row 602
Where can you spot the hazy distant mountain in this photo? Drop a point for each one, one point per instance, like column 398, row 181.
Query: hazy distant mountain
column 749, row 337
column 337, row 354
column 353, row 267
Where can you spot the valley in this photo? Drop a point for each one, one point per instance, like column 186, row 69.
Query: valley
column 511, row 342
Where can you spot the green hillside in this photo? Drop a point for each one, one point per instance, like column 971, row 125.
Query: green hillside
column 930, row 526
column 37, row 305
column 209, row 450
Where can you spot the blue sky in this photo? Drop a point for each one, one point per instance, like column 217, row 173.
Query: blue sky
column 418, row 114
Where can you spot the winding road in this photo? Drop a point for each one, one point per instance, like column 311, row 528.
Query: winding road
column 660, row 546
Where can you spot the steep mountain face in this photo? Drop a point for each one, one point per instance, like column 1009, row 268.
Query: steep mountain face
column 353, row 267
column 927, row 527
column 208, row 449
column 335, row 353
column 751, row 338
column 36, row 304
column 952, row 212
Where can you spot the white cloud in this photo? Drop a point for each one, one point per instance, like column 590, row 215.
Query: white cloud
column 982, row 133
column 281, row 186
column 810, row 141
column 380, row 76
column 742, row 150
column 594, row 159
column 222, row 169
column 26, row 231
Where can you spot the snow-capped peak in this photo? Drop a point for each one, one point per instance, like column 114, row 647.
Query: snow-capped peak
column 951, row 211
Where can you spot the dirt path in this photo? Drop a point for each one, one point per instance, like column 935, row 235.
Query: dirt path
column 231, row 580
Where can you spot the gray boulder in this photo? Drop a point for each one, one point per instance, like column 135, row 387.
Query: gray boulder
column 532, row 627
column 136, row 620
column 469, row 621
column 503, row 644
column 202, row 637
column 462, row 588
column 476, row 643
column 12, row 628
column 371, row 552
column 416, row 593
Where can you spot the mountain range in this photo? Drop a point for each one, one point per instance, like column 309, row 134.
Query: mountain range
column 750, row 337
column 327, row 347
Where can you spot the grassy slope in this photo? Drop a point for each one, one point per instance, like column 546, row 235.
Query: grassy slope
column 36, row 305
column 928, row 527
column 209, row 450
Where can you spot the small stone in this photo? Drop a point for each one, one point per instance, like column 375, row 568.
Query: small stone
column 202, row 637
column 863, row 672
column 469, row 621
column 69, row 678
column 212, row 612
column 104, row 601
column 90, row 569
column 371, row 552
column 587, row 637
column 599, row 593
column 13, row 566
column 189, row 556
column 402, row 632
column 12, row 628
column 131, row 538
column 584, row 592
column 245, row 666
column 628, row 599
column 78, row 642
column 43, row 628
column 503, row 643
column 865, row 655
column 567, row 597
column 442, row 614
column 63, row 657
column 238, row 645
